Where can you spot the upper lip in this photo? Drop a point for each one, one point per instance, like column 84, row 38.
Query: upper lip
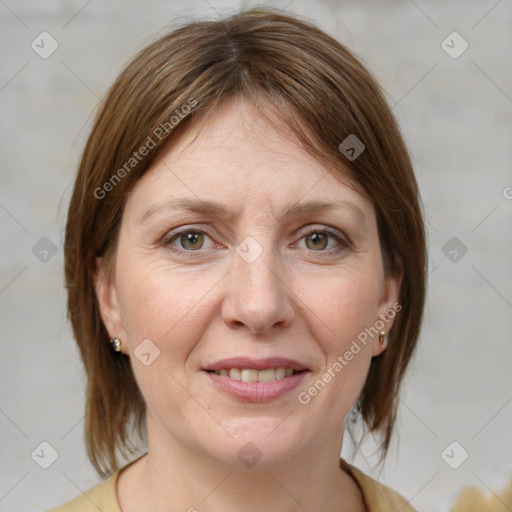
column 256, row 364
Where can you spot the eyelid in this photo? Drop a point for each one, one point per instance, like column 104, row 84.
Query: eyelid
column 174, row 234
column 343, row 241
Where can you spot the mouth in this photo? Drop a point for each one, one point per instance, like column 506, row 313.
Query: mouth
column 253, row 375
column 256, row 380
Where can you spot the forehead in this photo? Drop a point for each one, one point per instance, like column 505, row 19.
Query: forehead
column 238, row 158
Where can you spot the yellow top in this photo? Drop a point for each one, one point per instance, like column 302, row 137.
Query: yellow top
column 474, row 499
column 378, row 497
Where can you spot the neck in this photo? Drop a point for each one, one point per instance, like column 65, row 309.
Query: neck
column 173, row 476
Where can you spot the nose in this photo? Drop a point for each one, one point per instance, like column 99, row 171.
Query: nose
column 258, row 295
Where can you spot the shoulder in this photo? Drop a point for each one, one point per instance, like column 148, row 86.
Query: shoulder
column 473, row 498
column 378, row 497
column 100, row 497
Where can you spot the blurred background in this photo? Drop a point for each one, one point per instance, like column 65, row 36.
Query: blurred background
column 447, row 69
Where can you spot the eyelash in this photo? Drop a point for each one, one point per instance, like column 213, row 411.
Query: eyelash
column 344, row 244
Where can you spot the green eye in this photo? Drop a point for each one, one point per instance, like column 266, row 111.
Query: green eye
column 315, row 239
column 319, row 241
column 188, row 241
column 192, row 240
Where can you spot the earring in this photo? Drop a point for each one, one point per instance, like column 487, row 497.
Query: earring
column 116, row 344
column 383, row 339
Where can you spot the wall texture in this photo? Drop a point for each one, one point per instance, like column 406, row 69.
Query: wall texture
column 455, row 106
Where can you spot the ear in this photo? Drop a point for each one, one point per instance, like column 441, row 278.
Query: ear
column 389, row 305
column 106, row 294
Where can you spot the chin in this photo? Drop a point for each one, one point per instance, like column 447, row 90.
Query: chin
column 256, row 448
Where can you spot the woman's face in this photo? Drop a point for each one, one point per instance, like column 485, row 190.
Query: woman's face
column 217, row 304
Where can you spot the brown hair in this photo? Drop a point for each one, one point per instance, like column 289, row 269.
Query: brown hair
column 323, row 93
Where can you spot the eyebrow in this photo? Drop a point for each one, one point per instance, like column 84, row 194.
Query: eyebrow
column 218, row 209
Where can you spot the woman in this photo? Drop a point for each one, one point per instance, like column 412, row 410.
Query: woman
column 245, row 263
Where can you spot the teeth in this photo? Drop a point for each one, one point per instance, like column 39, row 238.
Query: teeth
column 235, row 374
column 267, row 375
column 252, row 375
column 249, row 375
column 280, row 373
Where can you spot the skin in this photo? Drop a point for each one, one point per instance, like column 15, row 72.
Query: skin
column 298, row 300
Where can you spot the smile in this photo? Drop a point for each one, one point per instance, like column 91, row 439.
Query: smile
column 252, row 375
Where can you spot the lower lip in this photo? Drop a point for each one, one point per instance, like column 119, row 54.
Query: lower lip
column 257, row 391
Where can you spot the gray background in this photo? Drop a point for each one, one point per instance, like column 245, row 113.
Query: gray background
column 456, row 114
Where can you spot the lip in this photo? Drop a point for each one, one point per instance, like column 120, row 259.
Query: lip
column 256, row 391
column 256, row 364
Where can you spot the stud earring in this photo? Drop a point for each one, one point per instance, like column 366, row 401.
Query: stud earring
column 116, row 344
column 383, row 339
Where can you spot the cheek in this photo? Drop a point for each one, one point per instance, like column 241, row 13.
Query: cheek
column 164, row 304
column 343, row 306
column 171, row 308
column 344, row 303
